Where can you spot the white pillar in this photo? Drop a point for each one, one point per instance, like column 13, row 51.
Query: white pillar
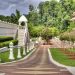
column 19, row 53
column 24, row 53
column 33, row 45
column 30, row 45
column 11, row 55
column 27, row 48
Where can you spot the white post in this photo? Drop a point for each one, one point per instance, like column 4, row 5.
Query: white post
column 27, row 47
column 11, row 56
column 24, row 53
column 33, row 45
column 30, row 45
column 19, row 53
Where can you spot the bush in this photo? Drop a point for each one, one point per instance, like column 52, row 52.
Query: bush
column 64, row 36
column 15, row 42
column 5, row 38
column 36, row 31
column 54, row 31
column 67, row 36
column 46, row 34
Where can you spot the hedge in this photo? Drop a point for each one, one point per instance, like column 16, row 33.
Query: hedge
column 5, row 38
column 67, row 36
column 15, row 42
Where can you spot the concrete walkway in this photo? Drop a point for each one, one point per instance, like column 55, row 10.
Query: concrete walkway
column 37, row 64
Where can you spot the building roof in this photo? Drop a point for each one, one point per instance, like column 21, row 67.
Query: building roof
column 22, row 18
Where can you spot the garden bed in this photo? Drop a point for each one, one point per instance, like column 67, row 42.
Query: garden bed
column 60, row 57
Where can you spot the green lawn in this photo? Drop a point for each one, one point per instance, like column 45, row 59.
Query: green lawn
column 72, row 49
column 4, row 56
column 61, row 57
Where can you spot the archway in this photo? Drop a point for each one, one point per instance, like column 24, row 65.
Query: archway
column 22, row 23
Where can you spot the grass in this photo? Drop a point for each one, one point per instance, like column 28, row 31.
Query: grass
column 4, row 56
column 72, row 49
column 61, row 57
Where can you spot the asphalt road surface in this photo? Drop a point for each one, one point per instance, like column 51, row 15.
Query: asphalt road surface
column 37, row 64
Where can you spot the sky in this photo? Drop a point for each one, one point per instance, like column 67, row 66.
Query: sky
column 9, row 6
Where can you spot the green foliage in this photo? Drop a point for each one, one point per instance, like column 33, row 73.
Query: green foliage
column 48, row 33
column 35, row 31
column 6, row 44
column 5, row 38
column 41, row 30
column 48, row 14
column 64, row 36
column 69, row 36
column 51, row 13
column 61, row 57
column 31, row 7
column 13, row 18
column 33, row 17
column 54, row 31
column 72, row 26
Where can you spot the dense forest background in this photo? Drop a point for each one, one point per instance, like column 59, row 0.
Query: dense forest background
column 51, row 14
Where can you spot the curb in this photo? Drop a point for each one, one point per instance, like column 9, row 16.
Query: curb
column 20, row 59
column 69, row 68
column 53, row 61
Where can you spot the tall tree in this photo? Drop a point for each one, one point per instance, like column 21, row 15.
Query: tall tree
column 13, row 18
column 31, row 8
column 17, row 15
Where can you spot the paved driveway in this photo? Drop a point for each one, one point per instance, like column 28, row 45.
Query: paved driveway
column 37, row 64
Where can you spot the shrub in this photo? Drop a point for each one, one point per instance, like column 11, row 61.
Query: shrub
column 49, row 32
column 67, row 36
column 15, row 42
column 46, row 34
column 5, row 38
column 36, row 31
column 64, row 36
